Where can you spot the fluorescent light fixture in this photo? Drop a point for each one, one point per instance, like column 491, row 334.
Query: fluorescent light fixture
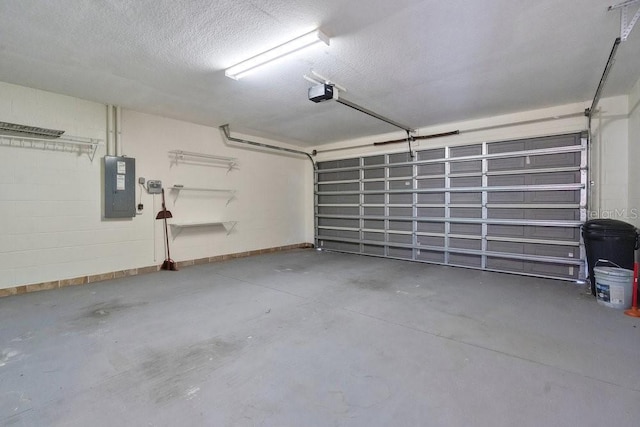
column 245, row 67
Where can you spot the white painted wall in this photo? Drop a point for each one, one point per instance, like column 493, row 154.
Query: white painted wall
column 50, row 202
column 610, row 151
column 271, row 189
column 634, row 154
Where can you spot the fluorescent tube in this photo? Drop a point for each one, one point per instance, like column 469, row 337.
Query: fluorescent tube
column 243, row 68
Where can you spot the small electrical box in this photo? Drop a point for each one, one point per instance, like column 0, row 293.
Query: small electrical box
column 119, row 187
column 154, row 186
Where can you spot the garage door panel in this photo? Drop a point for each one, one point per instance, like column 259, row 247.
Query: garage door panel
column 373, row 210
column 338, row 210
column 553, row 214
column 552, row 142
column 400, row 238
column 556, row 196
column 556, row 251
column 506, row 247
column 538, row 214
column 338, row 199
column 506, row 180
column 339, row 246
column 374, row 173
column 403, row 157
column 430, row 227
column 430, row 240
column 401, row 171
column 430, row 256
column 404, row 184
column 400, row 253
column 504, row 264
column 468, row 229
column 373, row 224
column 465, row 151
column 505, row 230
column 554, row 233
column 373, row 250
column 339, row 233
column 351, row 186
column 507, row 197
column 400, row 211
column 374, row 237
column 374, row 186
column 401, row 199
column 431, row 183
column 465, row 212
column 458, row 243
column 465, row 260
column 431, row 212
column 338, row 222
column 464, row 197
column 554, row 270
column 372, row 199
column 506, row 147
column 431, row 169
column 507, row 164
column 401, row 225
column 555, row 160
column 431, row 198
column 466, row 167
column 374, row 160
column 433, row 154
column 340, row 176
column 475, row 181
column 510, row 213
column 553, row 178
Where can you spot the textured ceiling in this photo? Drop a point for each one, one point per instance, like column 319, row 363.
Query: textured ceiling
column 417, row 62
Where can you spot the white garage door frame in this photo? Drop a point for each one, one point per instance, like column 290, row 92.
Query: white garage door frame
column 509, row 206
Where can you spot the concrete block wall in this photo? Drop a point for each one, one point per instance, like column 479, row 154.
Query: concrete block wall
column 52, row 229
column 610, row 150
column 270, row 202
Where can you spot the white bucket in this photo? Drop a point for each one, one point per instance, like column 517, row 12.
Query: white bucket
column 614, row 287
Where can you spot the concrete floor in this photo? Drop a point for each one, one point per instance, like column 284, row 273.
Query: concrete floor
column 309, row 338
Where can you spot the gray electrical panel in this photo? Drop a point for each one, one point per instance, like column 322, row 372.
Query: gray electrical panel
column 119, row 187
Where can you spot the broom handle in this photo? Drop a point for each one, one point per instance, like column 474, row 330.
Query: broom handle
column 635, row 285
column 166, row 232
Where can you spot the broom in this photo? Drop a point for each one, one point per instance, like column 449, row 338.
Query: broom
column 633, row 311
column 168, row 263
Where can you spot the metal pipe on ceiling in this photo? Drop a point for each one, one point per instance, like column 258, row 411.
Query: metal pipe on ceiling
column 225, row 130
column 110, row 136
column 118, row 130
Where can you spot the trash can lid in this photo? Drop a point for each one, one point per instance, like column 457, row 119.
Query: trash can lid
column 608, row 224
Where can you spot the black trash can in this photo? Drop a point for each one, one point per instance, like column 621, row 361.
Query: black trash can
column 611, row 240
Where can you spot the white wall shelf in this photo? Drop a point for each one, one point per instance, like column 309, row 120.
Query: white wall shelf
column 190, row 156
column 178, row 188
column 177, row 227
column 67, row 144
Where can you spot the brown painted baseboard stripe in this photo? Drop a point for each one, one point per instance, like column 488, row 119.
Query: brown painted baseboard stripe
column 83, row 280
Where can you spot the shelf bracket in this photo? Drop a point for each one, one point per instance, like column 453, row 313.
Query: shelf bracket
column 626, row 24
column 68, row 144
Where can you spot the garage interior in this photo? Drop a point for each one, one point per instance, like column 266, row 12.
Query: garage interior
column 382, row 227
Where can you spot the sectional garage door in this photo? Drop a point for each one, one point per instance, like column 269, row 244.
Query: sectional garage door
column 512, row 206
